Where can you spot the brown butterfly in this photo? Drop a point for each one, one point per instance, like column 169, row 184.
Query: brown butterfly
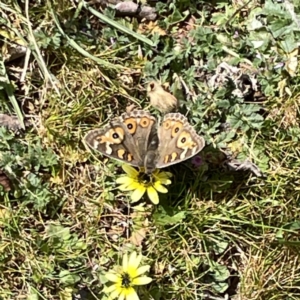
column 136, row 139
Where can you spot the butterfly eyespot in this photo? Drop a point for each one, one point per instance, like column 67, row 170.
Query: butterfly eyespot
column 116, row 135
column 185, row 140
column 144, row 122
column 167, row 124
column 131, row 125
column 176, row 129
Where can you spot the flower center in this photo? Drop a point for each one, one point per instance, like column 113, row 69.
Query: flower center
column 144, row 178
column 126, row 280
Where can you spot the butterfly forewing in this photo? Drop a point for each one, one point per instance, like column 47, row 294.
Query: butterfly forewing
column 178, row 140
column 125, row 139
column 111, row 141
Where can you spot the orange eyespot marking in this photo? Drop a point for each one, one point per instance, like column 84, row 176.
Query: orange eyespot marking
column 121, row 153
column 131, row 125
column 166, row 124
column 144, row 122
column 113, row 136
column 176, row 127
column 185, row 141
column 101, row 139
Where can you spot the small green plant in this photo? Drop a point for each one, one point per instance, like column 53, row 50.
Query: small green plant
column 26, row 165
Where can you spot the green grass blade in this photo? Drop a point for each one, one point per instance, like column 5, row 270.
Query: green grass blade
column 79, row 49
column 5, row 83
column 118, row 26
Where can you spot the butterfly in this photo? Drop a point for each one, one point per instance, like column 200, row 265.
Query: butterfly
column 135, row 138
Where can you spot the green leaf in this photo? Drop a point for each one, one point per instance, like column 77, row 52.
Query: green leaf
column 281, row 28
column 220, row 287
column 67, row 278
column 33, row 294
column 219, row 272
column 273, row 9
column 58, row 231
column 292, row 226
column 253, row 23
column 164, row 219
column 66, row 294
column 289, row 44
column 176, row 17
column 219, row 247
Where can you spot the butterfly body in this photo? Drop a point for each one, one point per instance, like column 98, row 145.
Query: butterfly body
column 136, row 138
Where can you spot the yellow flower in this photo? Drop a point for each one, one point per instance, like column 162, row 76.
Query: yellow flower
column 127, row 276
column 140, row 182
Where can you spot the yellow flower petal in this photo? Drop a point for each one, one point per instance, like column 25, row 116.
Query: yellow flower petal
column 165, row 181
column 135, row 260
column 138, row 193
column 125, row 187
column 163, row 175
column 137, row 185
column 142, row 270
column 112, row 277
column 124, row 180
column 169, row 174
column 110, row 289
column 125, row 262
column 152, row 194
column 115, row 294
column 141, row 280
column 122, row 296
column 160, row 187
column 132, row 172
column 162, row 179
column 132, row 259
column 131, row 294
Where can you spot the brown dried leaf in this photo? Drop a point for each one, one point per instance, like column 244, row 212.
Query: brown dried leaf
column 130, row 108
column 138, row 236
column 10, row 122
column 154, row 28
column 4, row 181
